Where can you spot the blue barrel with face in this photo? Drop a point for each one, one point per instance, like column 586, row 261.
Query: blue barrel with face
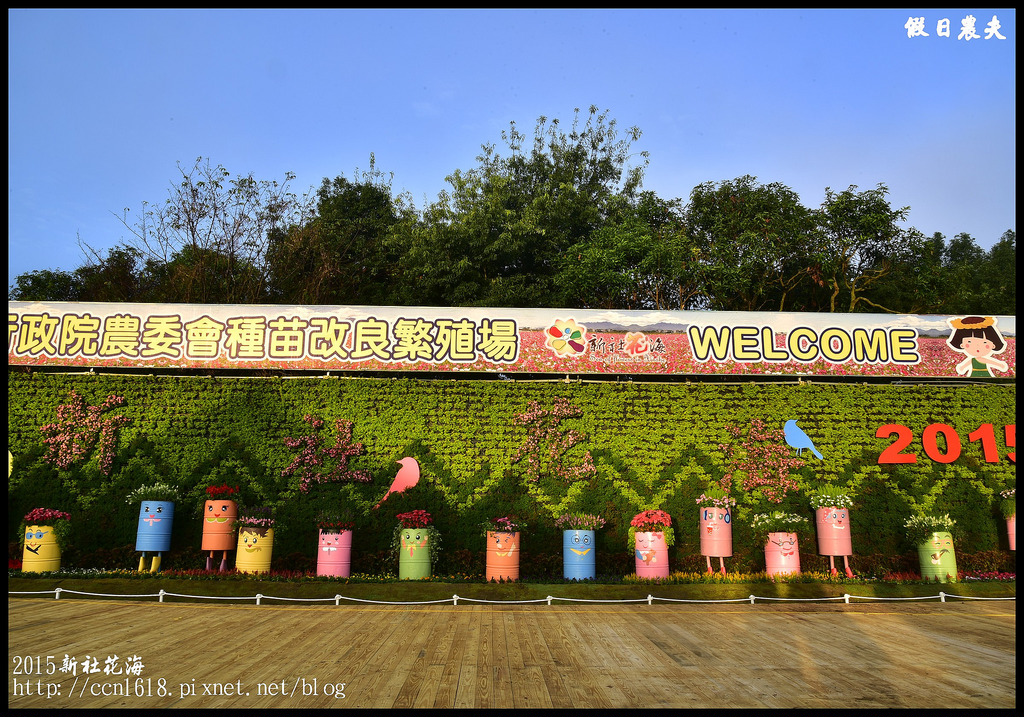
column 578, row 555
column 155, row 520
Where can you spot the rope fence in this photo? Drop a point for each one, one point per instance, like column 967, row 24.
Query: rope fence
column 454, row 599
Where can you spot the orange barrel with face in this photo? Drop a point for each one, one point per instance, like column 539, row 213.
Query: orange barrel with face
column 41, row 552
column 334, row 553
column 833, row 531
column 219, row 524
column 938, row 561
column 651, row 554
column 502, row 555
column 782, row 554
column 715, row 525
column 255, row 546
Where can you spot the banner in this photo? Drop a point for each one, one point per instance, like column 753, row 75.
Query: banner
column 508, row 341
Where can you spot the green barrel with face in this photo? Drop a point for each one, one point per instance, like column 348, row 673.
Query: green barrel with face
column 938, row 561
column 414, row 554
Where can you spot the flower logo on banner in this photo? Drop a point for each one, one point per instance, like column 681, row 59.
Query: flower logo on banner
column 637, row 344
column 566, row 338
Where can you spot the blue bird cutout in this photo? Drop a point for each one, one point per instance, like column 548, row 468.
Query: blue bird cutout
column 799, row 440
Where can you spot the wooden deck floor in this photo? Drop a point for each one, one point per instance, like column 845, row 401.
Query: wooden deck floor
column 922, row 655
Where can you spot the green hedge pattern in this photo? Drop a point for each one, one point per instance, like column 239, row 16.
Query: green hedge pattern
column 654, row 446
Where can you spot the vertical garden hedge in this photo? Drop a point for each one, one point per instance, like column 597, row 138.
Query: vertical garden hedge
column 652, row 445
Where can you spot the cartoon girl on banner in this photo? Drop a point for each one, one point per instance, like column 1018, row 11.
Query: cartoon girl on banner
column 978, row 338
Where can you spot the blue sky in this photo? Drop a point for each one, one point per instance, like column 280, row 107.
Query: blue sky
column 102, row 104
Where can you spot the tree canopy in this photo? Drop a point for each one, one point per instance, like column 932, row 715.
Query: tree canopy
column 559, row 219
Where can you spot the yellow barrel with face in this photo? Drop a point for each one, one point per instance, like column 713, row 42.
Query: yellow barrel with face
column 41, row 552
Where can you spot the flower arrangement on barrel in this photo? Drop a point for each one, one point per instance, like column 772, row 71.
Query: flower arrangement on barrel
column 578, row 549
column 933, row 537
column 334, row 543
column 1008, row 507
column 831, row 505
column 650, row 535
column 503, row 536
column 715, row 525
column 255, row 526
column 219, row 514
column 43, row 534
column 156, row 518
column 779, row 531
column 417, row 543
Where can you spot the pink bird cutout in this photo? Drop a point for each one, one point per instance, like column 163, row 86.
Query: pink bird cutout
column 408, row 476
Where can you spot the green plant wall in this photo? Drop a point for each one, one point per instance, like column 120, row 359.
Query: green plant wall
column 654, row 446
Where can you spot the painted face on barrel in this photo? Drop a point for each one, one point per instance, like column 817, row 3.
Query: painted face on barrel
column 786, row 546
column 151, row 514
column 218, row 511
column 836, row 518
column 714, row 519
column 414, row 540
column 250, row 541
column 941, row 549
column 505, row 543
column 579, row 543
column 329, row 542
column 34, row 538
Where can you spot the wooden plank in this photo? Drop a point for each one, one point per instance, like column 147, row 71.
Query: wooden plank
column 954, row 655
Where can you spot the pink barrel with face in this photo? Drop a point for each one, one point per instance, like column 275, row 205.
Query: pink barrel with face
column 334, row 554
column 782, row 554
column 833, row 531
column 715, row 525
column 651, row 555
column 1011, row 531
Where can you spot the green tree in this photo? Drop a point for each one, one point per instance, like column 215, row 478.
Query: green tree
column 639, row 262
column 46, row 285
column 862, row 244
column 346, row 253
column 756, row 243
column 212, row 232
column 497, row 237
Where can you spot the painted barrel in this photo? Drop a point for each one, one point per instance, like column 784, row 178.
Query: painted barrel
column 155, row 520
column 1011, row 531
column 833, row 531
column 938, row 561
column 414, row 554
column 782, row 554
column 578, row 555
column 651, row 555
column 219, row 524
column 334, row 554
column 502, row 556
column 715, row 525
column 41, row 551
column 255, row 547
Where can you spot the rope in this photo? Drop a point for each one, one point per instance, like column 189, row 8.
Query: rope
column 57, row 592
